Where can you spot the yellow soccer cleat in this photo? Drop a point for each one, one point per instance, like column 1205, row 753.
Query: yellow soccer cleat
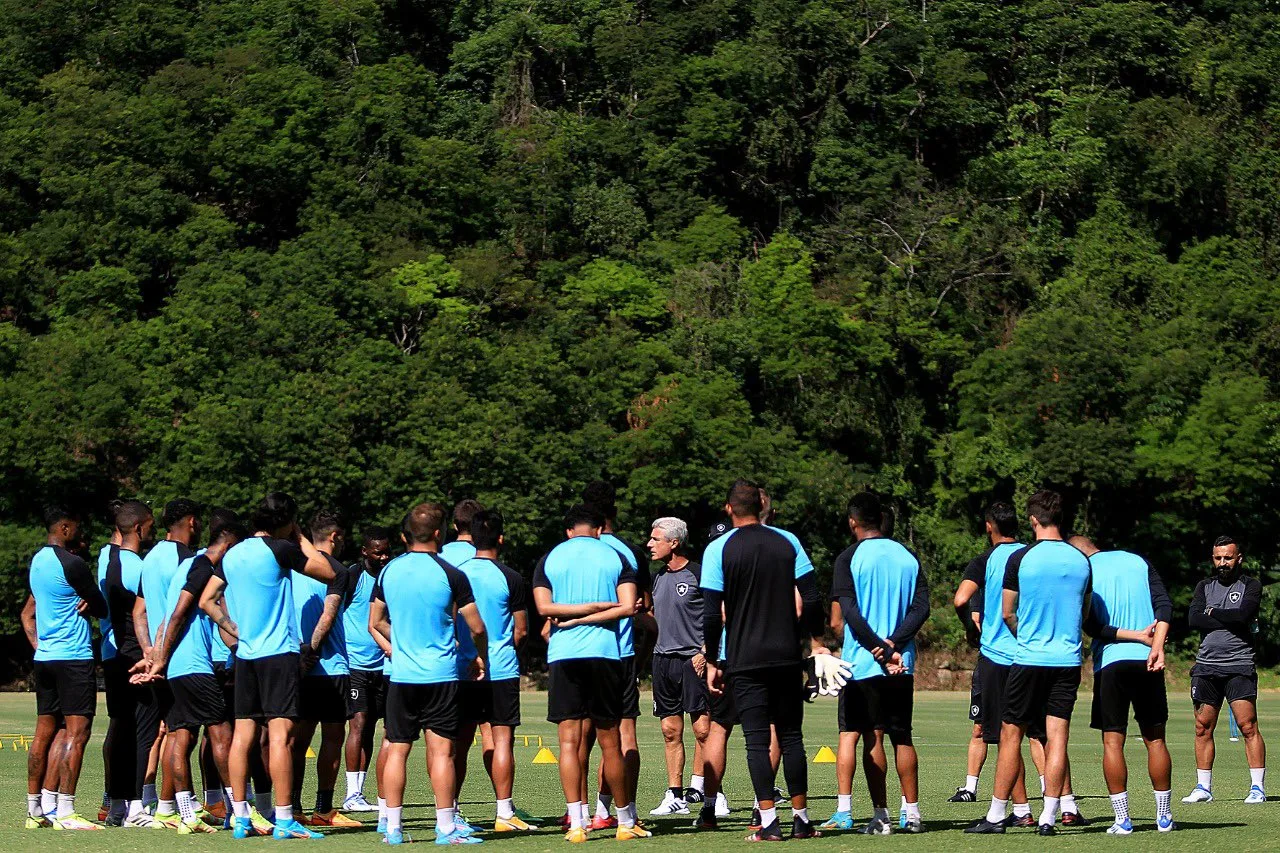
column 170, row 820
column 194, row 827
column 577, row 835
column 335, row 819
column 512, row 824
column 627, row 833
column 74, row 821
column 261, row 825
column 41, row 822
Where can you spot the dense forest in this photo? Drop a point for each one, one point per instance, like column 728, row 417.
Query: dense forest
column 377, row 251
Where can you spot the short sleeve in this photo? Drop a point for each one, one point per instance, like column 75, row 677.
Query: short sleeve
column 712, row 566
column 540, row 579
column 341, row 583
column 377, row 594
column 458, row 585
column 644, row 580
column 842, row 574
column 198, row 575
column 184, row 553
column 288, row 554
column 1011, row 569
column 694, row 569
column 976, row 571
column 627, row 574
column 803, row 564
column 517, row 591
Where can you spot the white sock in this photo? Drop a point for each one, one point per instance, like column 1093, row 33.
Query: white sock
column 627, row 815
column 603, row 802
column 574, row 810
column 1257, row 775
column 444, row 820
column 185, row 808
column 586, row 814
column 106, row 800
column 166, row 806
column 844, row 802
column 227, row 796
column 1042, row 786
column 1163, row 800
column 263, row 802
column 913, row 811
column 696, row 783
column 768, row 816
column 971, row 784
column 1049, row 815
column 1204, row 778
column 48, row 801
column 66, row 805
column 360, row 774
column 382, row 807
column 1020, row 809
column 1069, row 803
column 212, row 796
column 284, row 813
column 240, row 808
column 395, row 819
column 880, row 814
column 1120, row 805
column 996, row 813
column 135, row 809
column 506, row 810
column 33, row 806
column 149, row 794
column 803, row 813
column 353, row 783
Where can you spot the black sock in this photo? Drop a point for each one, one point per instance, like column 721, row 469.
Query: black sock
column 677, row 792
column 324, row 801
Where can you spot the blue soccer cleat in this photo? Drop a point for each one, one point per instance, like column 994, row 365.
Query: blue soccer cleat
column 242, row 827
column 456, row 837
column 1124, row 827
column 286, row 829
column 1165, row 823
column 839, row 820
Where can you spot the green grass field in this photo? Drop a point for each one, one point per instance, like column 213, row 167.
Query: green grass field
column 941, row 730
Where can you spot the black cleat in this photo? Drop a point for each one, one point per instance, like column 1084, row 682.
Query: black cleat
column 755, row 820
column 772, row 832
column 962, row 795
column 1047, row 829
column 803, row 829
column 707, row 819
column 1074, row 819
column 692, row 795
column 986, row 827
column 1015, row 821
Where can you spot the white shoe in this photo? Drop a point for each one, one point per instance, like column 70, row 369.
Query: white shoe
column 670, row 805
column 357, row 803
column 1199, row 794
column 1119, row 828
column 877, row 826
column 1256, row 795
column 722, row 805
column 142, row 820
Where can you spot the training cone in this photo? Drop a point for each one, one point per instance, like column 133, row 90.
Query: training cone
column 545, row 756
column 825, row 756
column 311, row 753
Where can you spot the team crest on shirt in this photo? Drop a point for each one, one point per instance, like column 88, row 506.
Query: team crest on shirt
column 1234, row 596
column 682, row 589
column 973, row 710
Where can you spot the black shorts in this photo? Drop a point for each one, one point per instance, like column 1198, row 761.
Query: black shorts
column 414, row 708
column 995, row 678
column 494, row 702
column 585, row 689
column 1127, row 684
column 367, row 694
column 122, row 697
column 774, row 693
column 677, row 688
column 225, row 676
column 323, row 698
column 884, row 703
column 724, row 711
column 198, row 701
column 267, row 688
column 630, row 689
column 1213, row 688
column 66, row 688
column 975, row 694
column 1034, row 692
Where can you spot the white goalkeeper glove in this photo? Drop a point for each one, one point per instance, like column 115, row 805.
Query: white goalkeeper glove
column 833, row 674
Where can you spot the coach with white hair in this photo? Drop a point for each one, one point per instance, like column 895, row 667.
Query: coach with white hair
column 679, row 665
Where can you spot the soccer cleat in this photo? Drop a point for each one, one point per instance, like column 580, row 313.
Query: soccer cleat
column 242, row 827
column 194, row 827
column 839, row 820
column 803, row 829
column 214, row 814
column 1024, row 821
column 630, row 833
column 877, row 826
column 461, row 824
column 772, row 832
column 598, row 822
column 456, row 837
column 512, row 824
column 693, row 795
column 962, row 795
column 382, row 825
column 706, row 819
column 670, row 805
column 1166, row 824
column 722, row 805
column 261, row 824
column 915, row 826
column 73, row 821
column 1199, row 794
column 1256, row 795
column 1119, row 828
column 565, row 823
column 40, row 822
column 1074, row 819
column 755, row 819
column 357, row 803
column 104, row 811
column 1047, row 829
column 142, row 820
column 286, row 829
column 986, row 827
column 171, row 820
column 114, row 820
column 397, row 836
column 335, row 819
column 576, row 835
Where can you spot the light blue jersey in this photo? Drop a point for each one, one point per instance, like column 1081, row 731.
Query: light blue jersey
column 259, row 595
column 422, row 594
column 583, row 570
column 987, row 571
column 362, row 652
column 59, row 580
column 1051, row 579
column 1122, row 598
column 104, row 625
column 626, row 641
column 457, row 552
column 193, row 653
column 500, row 594
column 882, row 575
column 308, row 604
column 158, row 569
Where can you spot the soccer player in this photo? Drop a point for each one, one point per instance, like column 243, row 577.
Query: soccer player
column 679, row 662
column 184, row 657
column 977, row 752
column 980, row 595
column 461, row 549
column 323, row 693
column 1128, row 600
column 1045, row 600
column 64, row 595
column 257, row 579
column 755, row 572
column 412, row 616
column 587, row 587
column 366, row 660
column 492, row 704
column 601, row 495
column 883, row 596
column 1224, row 609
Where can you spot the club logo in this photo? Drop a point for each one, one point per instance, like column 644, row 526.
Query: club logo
column 355, row 693
column 1234, row 596
column 682, row 589
column 973, row 710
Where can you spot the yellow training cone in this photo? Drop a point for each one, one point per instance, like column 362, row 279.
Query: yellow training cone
column 825, row 756
column 545, row 756
column 311, row 753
